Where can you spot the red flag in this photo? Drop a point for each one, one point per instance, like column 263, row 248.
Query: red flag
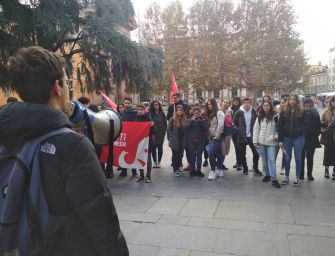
column 174, row 88
column 108, row 100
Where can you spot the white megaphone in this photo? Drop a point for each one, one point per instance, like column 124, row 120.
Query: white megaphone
column 100, row 122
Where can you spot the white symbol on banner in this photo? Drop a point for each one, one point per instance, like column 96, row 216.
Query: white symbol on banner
column 141, row 157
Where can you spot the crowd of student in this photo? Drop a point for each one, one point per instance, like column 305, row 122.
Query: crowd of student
column 286, row 125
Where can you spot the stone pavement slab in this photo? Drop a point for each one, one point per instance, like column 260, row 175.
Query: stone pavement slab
column 236, row 215
column 310, row 245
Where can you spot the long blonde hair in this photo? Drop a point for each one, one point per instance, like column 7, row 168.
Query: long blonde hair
column 179, row 121
column 298, row 110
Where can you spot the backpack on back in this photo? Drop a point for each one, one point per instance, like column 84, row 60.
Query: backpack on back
column 25, row 221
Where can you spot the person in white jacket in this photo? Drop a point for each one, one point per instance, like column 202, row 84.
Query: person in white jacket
column 265, row 138
column 216, row 119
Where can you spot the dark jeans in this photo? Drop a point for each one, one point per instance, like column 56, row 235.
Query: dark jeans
column 157, row 149
column 243, row 150
column 237, row 149
column 215, row 154
column 205, row 150
column 309, row 154
column 188, row 155
column 149, row 166
column 177, row 157
column 195, row 151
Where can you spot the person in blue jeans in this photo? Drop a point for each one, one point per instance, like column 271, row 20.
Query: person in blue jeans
column 265, row 138
column 197, row 128
column 291, row 135
column 215, row 119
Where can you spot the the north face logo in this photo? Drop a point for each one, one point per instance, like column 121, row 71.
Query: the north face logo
column 48, row 148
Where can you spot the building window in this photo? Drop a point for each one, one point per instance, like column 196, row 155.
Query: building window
column 259, row 93
column 199, row 93
column 216, row 93
column 234, row 91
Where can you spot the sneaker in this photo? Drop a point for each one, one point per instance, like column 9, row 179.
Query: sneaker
column 140, row 179
column 235, row 165
column 276, row 184
column 296, row 182
column 285, row 181
column 192, row 173
column 282, row 171
column 245, row 172
column 181, row 172
column 257, row 172
column 205, row 164
column 177, row 173
column 134, row 175
column 123, row 173
column 154, row 165
column 147, row 180
column 239, row 168
column 333, row 174
column 212, row 175
column 327, row 174
column 199, row 173
column 220, row 173
column 158, row 165
column 310, row 177
column 224, row 168
column 267, row 178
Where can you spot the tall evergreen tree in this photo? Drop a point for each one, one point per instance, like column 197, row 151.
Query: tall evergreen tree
column 90, row 28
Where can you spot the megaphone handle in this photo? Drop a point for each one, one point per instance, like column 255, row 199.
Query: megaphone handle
column 89, row 127
column 109, row 168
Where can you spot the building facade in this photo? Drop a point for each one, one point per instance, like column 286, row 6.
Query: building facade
column 319, row 81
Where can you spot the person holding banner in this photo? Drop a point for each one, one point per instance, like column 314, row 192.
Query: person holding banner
column 176, row 133
column 143, row 116
column 128, row 114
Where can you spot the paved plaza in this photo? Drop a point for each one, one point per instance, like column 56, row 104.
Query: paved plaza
column 234, row 215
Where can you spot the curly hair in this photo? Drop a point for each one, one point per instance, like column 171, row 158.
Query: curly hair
column 179, row 121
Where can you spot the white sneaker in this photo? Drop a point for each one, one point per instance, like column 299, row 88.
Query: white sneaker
column 158, row 165
column 154, row 165
column 181, row 171
column 282, row 171
column 212, row 175
column 220, row 173
column 177, row 173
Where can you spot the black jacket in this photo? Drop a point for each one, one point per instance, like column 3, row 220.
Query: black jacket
column 128, row 115
column 239, row 122
column 313, row 128
column 73, row 181
column 172, row 108
column 147, row 118
column 290, row 126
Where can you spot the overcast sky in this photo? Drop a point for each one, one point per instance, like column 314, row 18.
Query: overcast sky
column 316, row 23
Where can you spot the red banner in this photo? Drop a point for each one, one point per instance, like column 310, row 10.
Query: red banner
column 132, row 146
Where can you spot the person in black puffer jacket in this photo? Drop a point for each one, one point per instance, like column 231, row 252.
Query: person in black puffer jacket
column 75, row 186
column 291, row 135
column 197, row 129
column 312, row 132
